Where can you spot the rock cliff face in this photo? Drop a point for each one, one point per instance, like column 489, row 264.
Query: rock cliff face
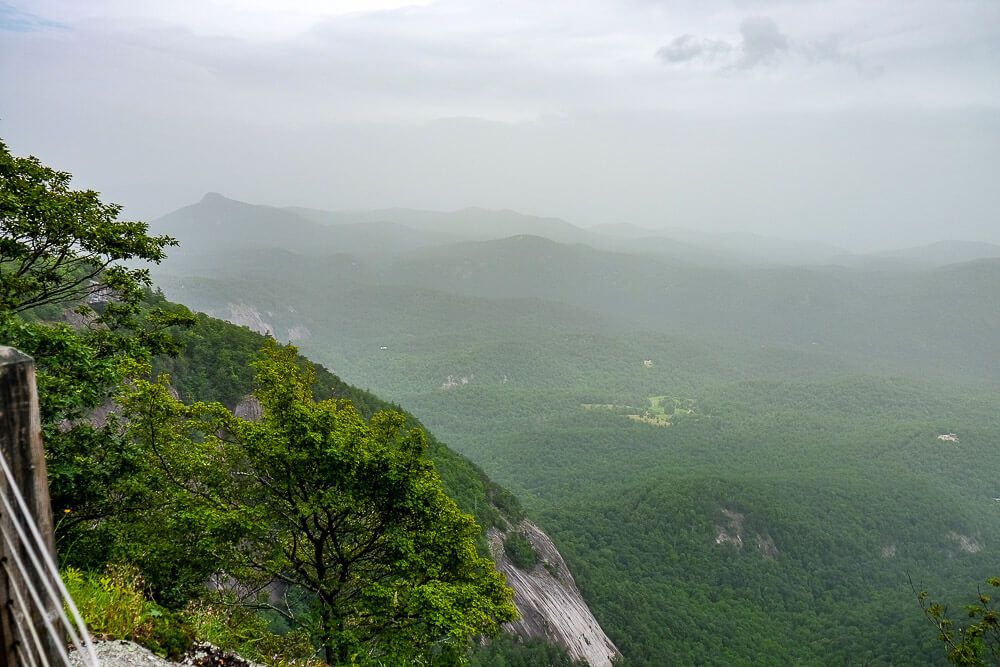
column 550, row 604
column 249, row 408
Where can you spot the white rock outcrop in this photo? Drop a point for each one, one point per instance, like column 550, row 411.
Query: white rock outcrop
column 249, row 408
column 549, row 602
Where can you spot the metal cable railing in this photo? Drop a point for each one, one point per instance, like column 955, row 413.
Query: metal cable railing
column 38, row 619
column 54, row 599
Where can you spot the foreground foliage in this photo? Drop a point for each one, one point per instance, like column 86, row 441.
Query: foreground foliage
column 59, row 244
column 978, row 643
column 317, row 498
column 67, row 299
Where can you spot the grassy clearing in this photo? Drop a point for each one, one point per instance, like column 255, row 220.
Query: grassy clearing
column 661, row 411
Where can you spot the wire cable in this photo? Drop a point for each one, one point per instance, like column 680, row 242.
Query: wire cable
column 76, row 628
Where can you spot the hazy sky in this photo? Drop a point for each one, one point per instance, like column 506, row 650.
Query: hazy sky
column 869, row 123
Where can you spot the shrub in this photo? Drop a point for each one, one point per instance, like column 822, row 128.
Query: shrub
column 114, row 605
column 520, row 550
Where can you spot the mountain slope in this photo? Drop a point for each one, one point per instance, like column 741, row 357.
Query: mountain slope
column 215, row 365
column 883, row 316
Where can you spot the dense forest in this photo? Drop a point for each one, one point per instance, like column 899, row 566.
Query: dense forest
column 783, row 455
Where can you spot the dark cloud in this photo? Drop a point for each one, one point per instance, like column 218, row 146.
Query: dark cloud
column 688, row 47
column 762, row 41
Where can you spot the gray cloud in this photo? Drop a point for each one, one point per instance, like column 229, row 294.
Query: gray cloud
column 688, row 47
column 761, row 41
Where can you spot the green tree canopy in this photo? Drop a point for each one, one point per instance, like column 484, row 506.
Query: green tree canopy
column 59, row 244
column 349, row 510
column 68, row 300
column 347, row 513
column 977, row 644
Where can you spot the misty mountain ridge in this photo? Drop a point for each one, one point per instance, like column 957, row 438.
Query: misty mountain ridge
column 945, row 252
column 471, row 223
column 870, row 310
column 726, row 246
column 219, row 223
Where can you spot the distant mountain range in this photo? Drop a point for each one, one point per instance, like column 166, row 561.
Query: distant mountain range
column 218, row 223
column 913, row 305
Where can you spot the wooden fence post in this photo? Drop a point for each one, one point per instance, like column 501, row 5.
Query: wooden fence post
column 21, row 447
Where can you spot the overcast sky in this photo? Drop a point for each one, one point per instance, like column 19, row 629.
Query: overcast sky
column 867, row 123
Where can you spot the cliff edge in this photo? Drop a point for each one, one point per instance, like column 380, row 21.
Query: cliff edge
column 548, row 600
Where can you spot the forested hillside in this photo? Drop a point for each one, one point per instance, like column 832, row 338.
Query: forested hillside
column 215, row 364
column 766, row 453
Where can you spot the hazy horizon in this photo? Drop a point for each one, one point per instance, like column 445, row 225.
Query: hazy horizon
column 869, row 127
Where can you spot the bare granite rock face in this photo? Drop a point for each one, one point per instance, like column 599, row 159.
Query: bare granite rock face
column 549, row 602
column 249, row 408
column 99, row 416
column 120, row 653
column 298, row 332
column 247, row 316
column 735, row 535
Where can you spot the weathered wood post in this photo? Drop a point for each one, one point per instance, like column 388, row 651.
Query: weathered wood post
column 21, row 447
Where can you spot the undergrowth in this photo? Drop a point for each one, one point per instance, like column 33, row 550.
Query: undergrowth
column 114, row 605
